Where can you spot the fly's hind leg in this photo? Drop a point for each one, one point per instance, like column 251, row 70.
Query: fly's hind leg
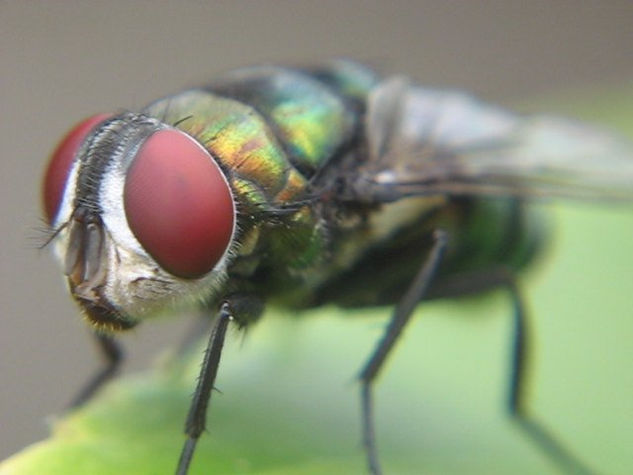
column 477, row 282
column 399, row 319
column 460, row 286
column 538, row 433
column 113, row 356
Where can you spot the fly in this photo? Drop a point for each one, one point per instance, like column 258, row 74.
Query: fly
column 308, row 186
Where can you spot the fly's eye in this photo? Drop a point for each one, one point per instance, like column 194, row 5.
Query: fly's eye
column 61, row 162
column 178, row 204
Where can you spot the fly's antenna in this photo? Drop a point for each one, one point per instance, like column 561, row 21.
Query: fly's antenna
column 46, row 234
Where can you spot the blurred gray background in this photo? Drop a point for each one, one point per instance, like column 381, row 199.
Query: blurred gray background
column 62, row 61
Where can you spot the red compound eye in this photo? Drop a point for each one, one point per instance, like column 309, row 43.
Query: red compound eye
column 178, row 204
column 61, row 162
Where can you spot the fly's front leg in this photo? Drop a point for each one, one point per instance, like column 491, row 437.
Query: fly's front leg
column 399, row 319
column 113, row 356
column 197, row 417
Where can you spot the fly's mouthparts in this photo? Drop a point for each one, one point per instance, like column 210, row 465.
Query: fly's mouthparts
column 103, row 315
column 85, row 256
column 85, row 266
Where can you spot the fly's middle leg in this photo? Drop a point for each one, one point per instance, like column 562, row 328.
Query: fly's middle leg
column 113, row 356
column 402, row 314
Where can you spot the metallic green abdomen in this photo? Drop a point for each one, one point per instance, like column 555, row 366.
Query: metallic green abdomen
column 486, row 235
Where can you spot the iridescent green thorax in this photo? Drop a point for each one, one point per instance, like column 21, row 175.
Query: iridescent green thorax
column 271, row 130
column 234, row 134
column 310, row 120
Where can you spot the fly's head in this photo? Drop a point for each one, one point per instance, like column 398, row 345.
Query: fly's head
column 143, row 218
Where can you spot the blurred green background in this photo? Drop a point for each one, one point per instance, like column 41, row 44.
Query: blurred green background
column 289, row 402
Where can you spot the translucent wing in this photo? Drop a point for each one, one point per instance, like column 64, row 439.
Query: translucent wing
column 423, row 141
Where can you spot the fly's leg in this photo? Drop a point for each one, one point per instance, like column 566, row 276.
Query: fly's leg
column 196, row 419
column 113, row 356
column 556, row 451
column 399, row 319
column 469, row 284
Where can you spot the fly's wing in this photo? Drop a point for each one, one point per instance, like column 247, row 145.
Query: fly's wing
column 422, row 142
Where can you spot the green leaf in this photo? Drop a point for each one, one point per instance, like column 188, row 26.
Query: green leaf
column 289, row 403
